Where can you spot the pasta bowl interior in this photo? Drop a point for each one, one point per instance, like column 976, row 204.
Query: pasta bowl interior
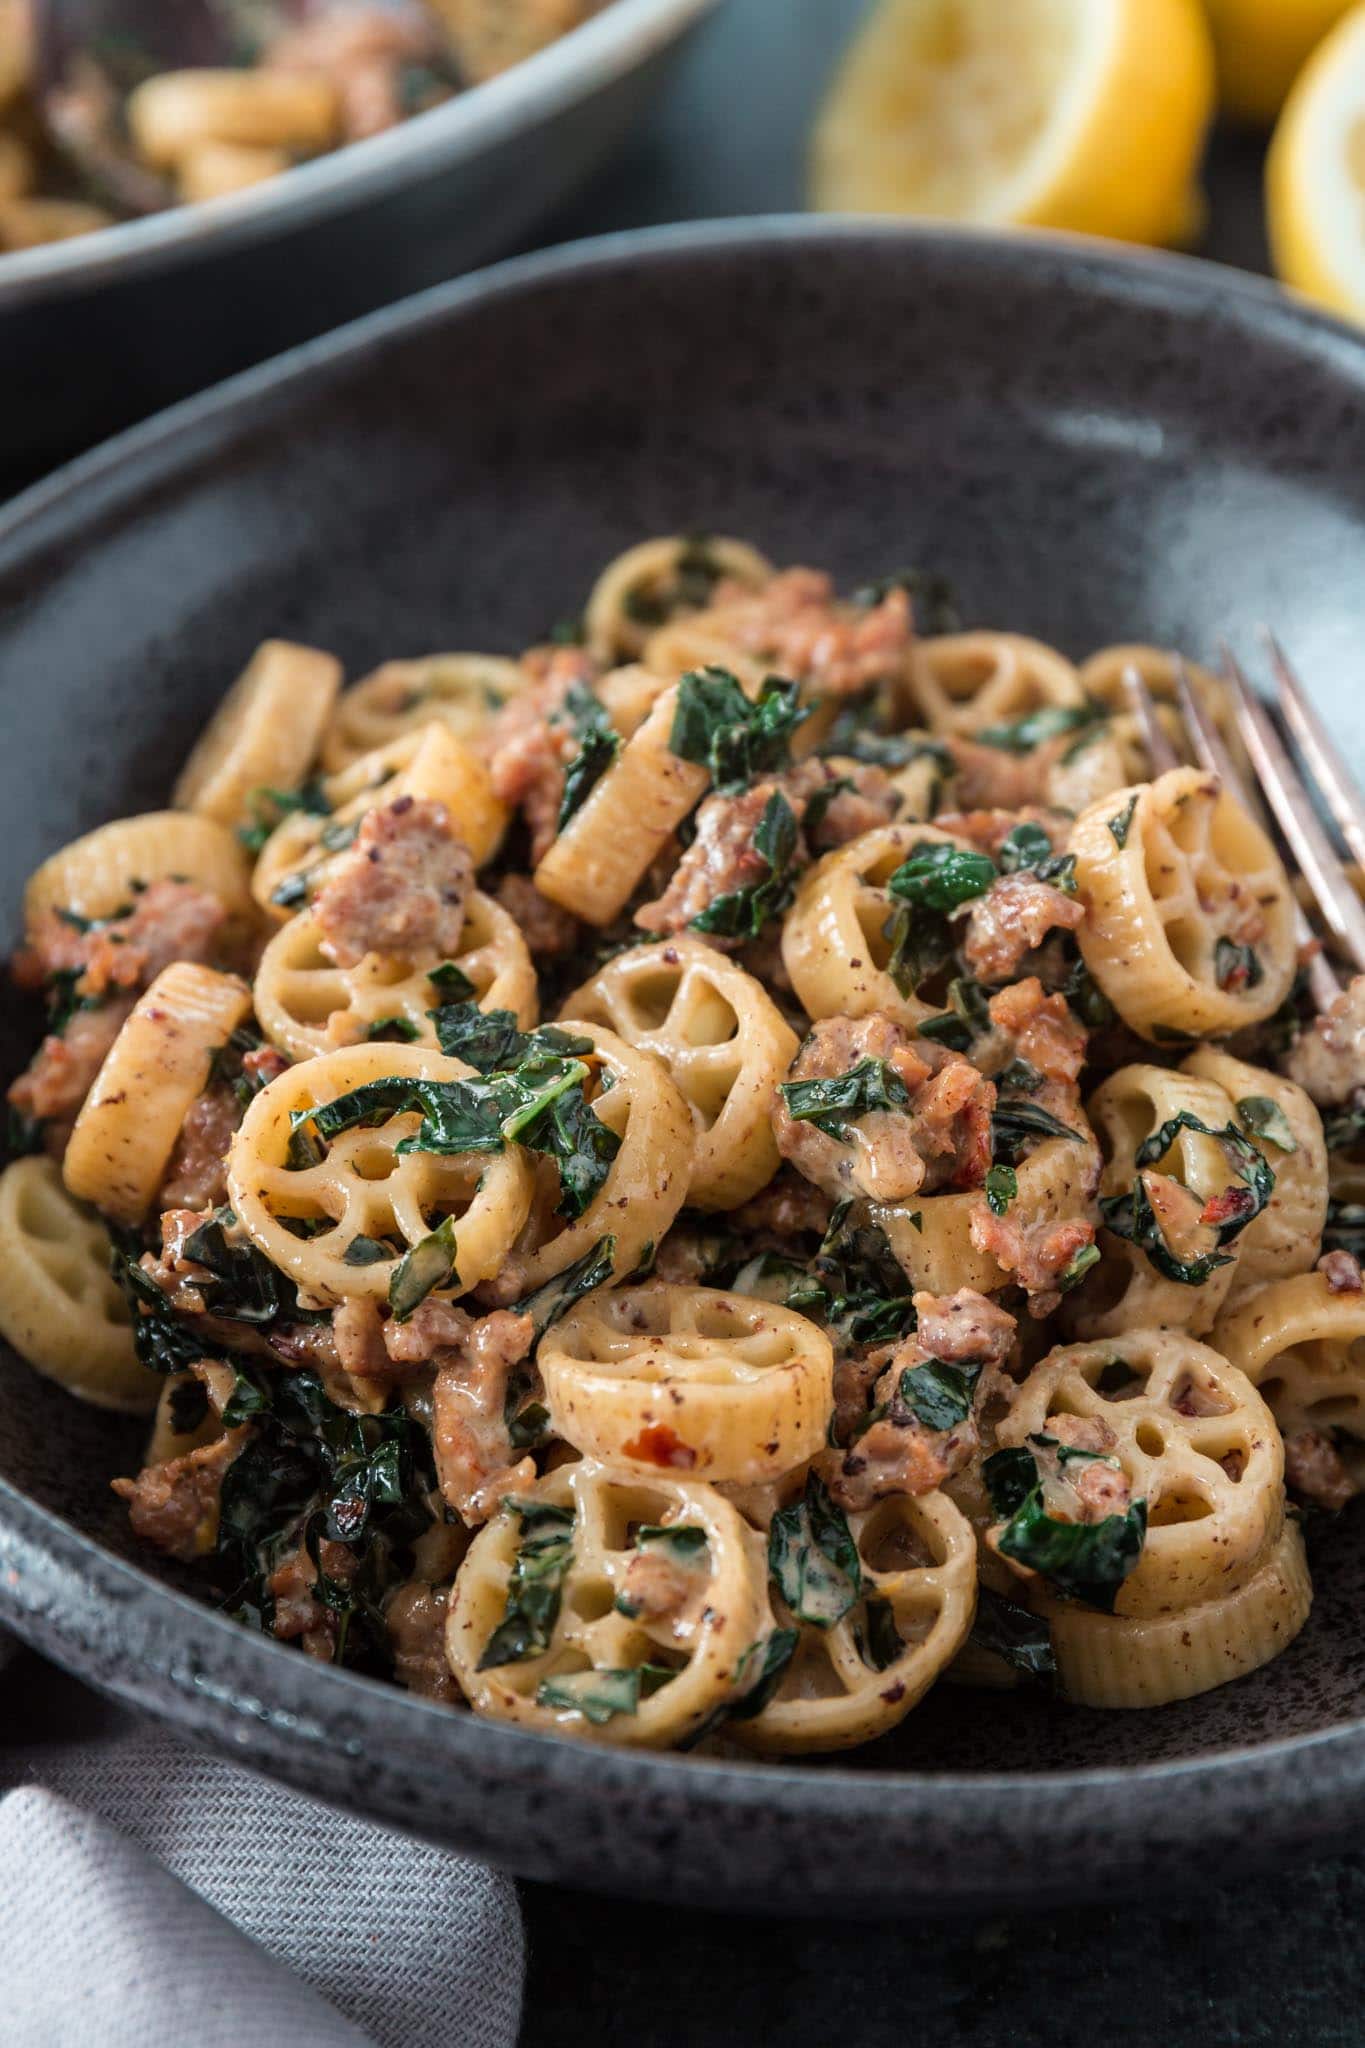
column 807, row 1254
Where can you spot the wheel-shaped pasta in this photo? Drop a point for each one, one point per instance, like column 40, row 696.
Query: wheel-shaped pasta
column 59, row 1305
column 1156, row 1210
column 1190, row 918
column 1113, row 1660
column 307, row 1005
column 1190, row 1436
column 969, row 682
column 838, row 940
column 463, row 691
column 1304, row 1347
column 723, row 1041
column 1284, row 1125
column 931, row 1235
column 659, row 580
column 718, row 1385
column 646, row 1182
column 1159, row 667
column 594, row 865
column 1091, row 767
column 284, row 1174
column 427, row 763
column 583, row 1592
column 159, row 1063
column 266, row 731
column 858, row 1677
column 189, row 1411
column 97, row 876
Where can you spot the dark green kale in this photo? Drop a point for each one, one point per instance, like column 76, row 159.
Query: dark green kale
column 598, row 1695
column 938, row 1393
column 1002, row 1185
column 242, row 1285
column 879, row 1642
column 695, row 574
column 429, row 1264
column 1028, row 849
column 813, row 1559
column 967, row 1018
column 268, row 807
column 598, row 745
column 1264, row 1118
column 735, row 737
column 1016, row 1122
column 1249, row 1164
column 1344, row 1230
column 1012, row 1633
column 392, row 1030
column 1048, row 723
column 535, row 1585
column 742, row 913
column 1236, row 967
column 940, row 877
column 838, row 1100
column 933, row 598
column 310, row 1471
column 558, row 1295
column 1122, row 821
column 931, row 883
column 1086, row 1561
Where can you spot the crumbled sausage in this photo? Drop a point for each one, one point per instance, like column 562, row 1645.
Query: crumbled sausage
column 299, row 1616
column 1314, row 1470
column 175, row 1505
column 196, row 1177
column 940, row 1138
column 550, row 933
column 1011, row 919
column 168, row 921
column 415, row 1619
column 1329, row 1059
column 1342, row 1272
column 795, row 623
column 532, row 741
column 400, row 889
column 474, row 1361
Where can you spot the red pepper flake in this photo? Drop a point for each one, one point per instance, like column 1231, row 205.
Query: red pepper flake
column 1232, row 1206
column 657, row 1444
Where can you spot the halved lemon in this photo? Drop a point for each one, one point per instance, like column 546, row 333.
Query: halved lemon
column 1262, row 45
column 1315, row 175
column 1080, row 114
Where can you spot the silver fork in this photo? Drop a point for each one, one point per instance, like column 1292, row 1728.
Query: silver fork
column 1285, row 791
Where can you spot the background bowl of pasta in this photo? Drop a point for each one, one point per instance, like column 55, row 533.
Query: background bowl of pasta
column 102, row 328
column 1096, row 451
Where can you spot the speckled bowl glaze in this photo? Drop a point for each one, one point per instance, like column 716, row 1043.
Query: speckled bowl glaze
column 1096, row 447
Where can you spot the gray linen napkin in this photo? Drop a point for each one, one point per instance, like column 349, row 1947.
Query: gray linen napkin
column 115, row 1853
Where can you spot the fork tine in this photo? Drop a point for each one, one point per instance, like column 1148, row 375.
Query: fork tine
column 1212, row 754
column 1298, row 820
column 1338, row 786
column 1205, row 737
column 1160, row 752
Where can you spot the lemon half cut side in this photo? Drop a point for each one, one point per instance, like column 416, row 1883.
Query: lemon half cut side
column 1315, row 175
column 1087, row 115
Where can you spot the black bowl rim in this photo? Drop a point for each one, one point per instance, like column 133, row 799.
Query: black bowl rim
column 1260, row 1797
column 600, row 51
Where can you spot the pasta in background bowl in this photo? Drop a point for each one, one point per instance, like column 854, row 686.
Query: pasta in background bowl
column 660, row 1133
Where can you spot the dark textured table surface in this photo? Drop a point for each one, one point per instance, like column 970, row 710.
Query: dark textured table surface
column 1276, row 1960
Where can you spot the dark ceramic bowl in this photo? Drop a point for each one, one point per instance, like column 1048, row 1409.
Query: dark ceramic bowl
column 1097, row 448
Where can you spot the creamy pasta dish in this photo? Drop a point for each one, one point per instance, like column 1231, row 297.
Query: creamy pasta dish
column 118, row 108
column 708, row 1177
